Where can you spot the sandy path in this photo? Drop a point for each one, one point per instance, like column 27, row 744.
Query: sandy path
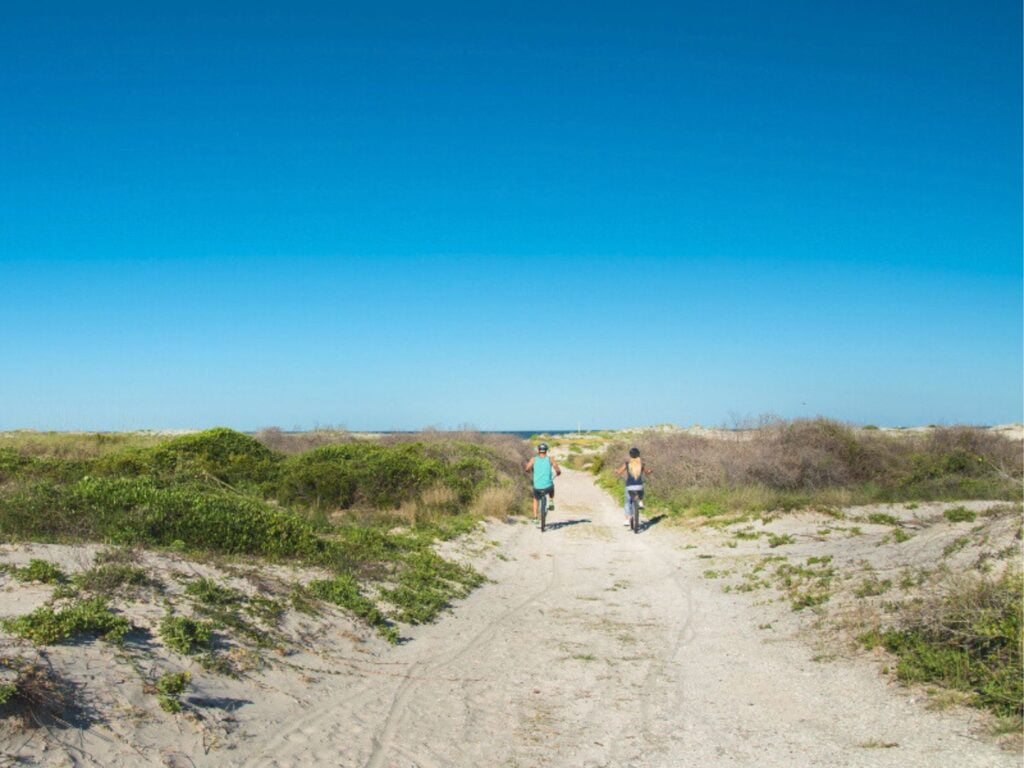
column 596, row 647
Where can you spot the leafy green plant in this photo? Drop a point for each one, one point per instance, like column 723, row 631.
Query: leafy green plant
column 966, row 638
column 872, row 586
column 44, row 626
column 955, row 546
column 169, row 688
column 40, row 570
column 184, row 635
column 808, row 600
column 110, row 578
column 881, row 518
column 775, row 540
column 343, row 590
column 960, row 515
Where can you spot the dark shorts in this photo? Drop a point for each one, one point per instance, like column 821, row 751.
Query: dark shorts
column 539, row 492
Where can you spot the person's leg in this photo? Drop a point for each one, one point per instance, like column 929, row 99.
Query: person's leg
column 625, row 505
column 551, row 493
column 535, row 515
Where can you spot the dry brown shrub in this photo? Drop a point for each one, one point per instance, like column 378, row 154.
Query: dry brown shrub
column 496, row 501
column 438, row 497
column 813, row 454
column 43, row 698
column 298, row 442
column 511, row 450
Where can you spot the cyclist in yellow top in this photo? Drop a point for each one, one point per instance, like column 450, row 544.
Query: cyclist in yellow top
column 633, row 470
column 544, row 469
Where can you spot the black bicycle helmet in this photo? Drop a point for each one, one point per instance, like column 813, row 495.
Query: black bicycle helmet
column 634, row 453
column 542, row 448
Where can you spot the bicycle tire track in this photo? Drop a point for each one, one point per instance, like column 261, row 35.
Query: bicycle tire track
column 402, row 696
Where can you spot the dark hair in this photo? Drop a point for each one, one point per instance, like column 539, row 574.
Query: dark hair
column 634, row 453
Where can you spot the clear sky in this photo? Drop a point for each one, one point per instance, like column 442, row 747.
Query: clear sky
column 513, row 215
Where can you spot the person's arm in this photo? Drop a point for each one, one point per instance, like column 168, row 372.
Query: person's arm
column 529, row 465
column 647, row 470
column 554, row 466
column 621, row 470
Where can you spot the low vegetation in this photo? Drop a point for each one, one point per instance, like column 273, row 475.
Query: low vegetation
column 169, row 688
column 33, row 693
column 369, row 511
column 948, row 608
column 45, row 626
column 966, row 636
column 782, row 465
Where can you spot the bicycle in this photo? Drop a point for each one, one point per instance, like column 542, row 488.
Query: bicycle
column 634, row 510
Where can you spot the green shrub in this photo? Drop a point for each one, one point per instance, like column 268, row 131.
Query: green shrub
column 224, row 454
column 960, row 515
column 341, row 476
column 426, row 585
column 15, row 467
column 109, row 578
column 44, row 626
column 210, row 592
column 343, row 590
column 968, row 638
column 881, row 518
column 872, row 586
column 184, row 635
column 169, row 688
column 40, row 570
column 139, row 511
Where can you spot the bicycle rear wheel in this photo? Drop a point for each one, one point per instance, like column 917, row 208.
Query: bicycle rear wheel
column 634, row 519
column 543, row 512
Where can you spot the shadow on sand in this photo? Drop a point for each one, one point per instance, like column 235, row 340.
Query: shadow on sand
column 566, row 523
column 649, row 522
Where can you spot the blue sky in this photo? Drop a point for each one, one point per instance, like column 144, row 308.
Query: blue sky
column 514, row 216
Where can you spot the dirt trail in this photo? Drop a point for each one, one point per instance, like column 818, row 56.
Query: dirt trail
column 596, row 647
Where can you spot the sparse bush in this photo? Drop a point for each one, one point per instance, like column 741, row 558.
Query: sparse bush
column 33, row 692
column 108, row 579
column 872, row 586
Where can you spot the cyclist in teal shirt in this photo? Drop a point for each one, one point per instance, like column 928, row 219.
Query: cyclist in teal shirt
column 544, row 470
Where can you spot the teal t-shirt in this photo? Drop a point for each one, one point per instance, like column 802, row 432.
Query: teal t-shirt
column 542, row 477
